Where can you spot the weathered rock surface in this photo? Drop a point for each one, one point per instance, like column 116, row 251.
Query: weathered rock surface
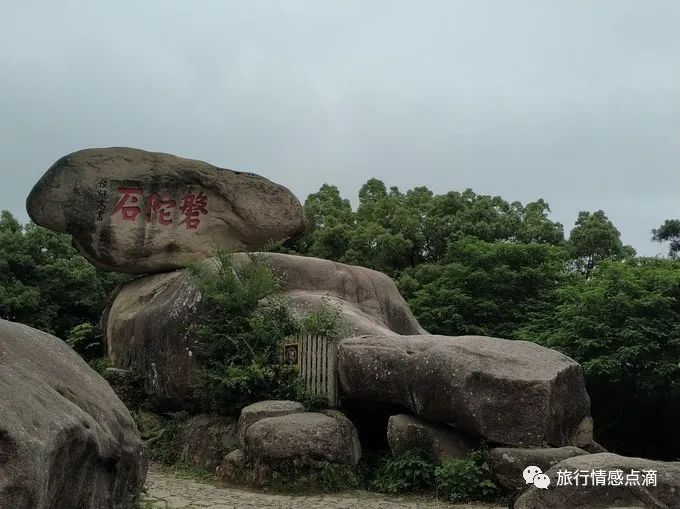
column 507, row 392
column 437, row 441
column 262, row 409
column 507, row 464
column 594, row 448
column 134, row 211
column 231, row 470
column 66, row 440
column 583, row 435
column 204, row 440
column 302, row 439
column 666, row 493
column 147, row 324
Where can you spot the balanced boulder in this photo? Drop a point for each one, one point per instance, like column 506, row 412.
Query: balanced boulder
column 134, row 211
column 621, row 482
column 66, row 440
column 439, row 442
column 507, row 392
column 148, row 324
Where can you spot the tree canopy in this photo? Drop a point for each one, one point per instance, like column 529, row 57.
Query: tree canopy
column 45, row 282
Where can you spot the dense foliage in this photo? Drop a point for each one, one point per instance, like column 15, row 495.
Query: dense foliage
column 457, row 480
column 47, row 284
column 623, row 325
column 465, row 479
column 240, row 340
column 408, row 472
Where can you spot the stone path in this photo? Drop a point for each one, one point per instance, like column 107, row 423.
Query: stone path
column 167, row 491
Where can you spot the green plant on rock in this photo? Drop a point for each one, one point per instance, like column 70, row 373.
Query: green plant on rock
column 408, row 472
column 239, row 342
column 325, row 320
column 226, row 388
column 465, row 479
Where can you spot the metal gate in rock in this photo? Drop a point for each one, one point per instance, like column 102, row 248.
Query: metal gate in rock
column 317, row 359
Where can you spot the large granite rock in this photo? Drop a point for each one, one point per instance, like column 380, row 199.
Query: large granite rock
column 439, row 442
column 147, row 325
column 66, row 440
column 665, row 494
column 303, row 439
column 134, row 211
column 507, row 464
column 507, row 392
column 263, row 409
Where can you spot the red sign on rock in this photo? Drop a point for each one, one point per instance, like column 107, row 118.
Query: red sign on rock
column 193, row 205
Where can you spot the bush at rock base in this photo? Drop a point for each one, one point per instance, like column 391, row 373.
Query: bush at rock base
column 408, row 472
column 292, row 478
column 465, row 479
column 456, row 480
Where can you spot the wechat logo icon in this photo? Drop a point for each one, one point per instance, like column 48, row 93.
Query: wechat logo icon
column 534, row 475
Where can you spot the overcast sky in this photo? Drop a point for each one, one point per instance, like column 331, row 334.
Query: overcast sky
column 576, row 102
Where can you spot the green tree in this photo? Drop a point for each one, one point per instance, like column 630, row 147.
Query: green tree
column 595, row 238
column 623, row 325
column 487, row 288
column 329, row 217
column 45, row 282
column 669, row 231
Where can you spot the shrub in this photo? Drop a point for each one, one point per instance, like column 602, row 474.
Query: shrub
column 240, row 340
column 100, row 364
column 464, row 479
column 226, row 388
column 408, row 472
column 325, row 320
column 85, row 339
column 334, row 477
column 325, row 477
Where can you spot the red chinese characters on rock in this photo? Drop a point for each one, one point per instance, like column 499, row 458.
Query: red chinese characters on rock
column 128, row 204
column 193, row 206
column 161, row 205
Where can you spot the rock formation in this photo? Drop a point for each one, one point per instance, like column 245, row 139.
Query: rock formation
column 147, row 326
column 507, row 392
column 303, row 439
column 280, row 438
column 134, row 211
column 66, row 440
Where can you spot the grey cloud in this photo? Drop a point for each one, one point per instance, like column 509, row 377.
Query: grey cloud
column 577, row 102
